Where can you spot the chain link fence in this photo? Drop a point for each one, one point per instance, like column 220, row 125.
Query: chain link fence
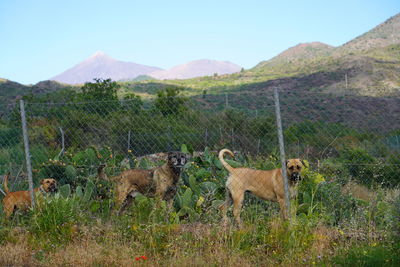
column 341, row 138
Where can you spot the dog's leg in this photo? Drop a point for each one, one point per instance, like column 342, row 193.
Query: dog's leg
column 127, row 202
column 237, row 198
column 224, row 207
column 8, row 210
column 123, row 191
column 282, row 206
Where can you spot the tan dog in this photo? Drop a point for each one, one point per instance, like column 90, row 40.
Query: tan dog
column 265, row 184
column 158, row 182
column 22, row 199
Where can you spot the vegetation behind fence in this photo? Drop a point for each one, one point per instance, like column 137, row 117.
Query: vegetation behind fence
column 349, row 192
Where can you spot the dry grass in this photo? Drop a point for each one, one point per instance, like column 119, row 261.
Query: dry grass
column 323, row 239
column 358, row 191
column 87, row 251
column 17, row 253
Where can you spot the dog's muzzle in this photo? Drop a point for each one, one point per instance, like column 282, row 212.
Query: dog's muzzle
column 295, row 177
column 53, row 188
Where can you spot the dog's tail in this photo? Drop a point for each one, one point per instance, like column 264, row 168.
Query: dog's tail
column 6, row 190
column 101, row 173
column 224, row 163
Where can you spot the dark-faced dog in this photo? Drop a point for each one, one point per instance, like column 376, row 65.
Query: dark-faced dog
column 22, row 199
column 158, row 182
column 265, row 184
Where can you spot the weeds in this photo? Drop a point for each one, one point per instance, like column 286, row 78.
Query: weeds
column 330, row 226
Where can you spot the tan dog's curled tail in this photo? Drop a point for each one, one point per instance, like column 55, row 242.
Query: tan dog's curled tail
column 224, row 163
column 6, row 190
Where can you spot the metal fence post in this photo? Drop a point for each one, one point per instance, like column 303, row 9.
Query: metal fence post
column 206, row 138
column 282, row 151
column 129, row 141
column 27, row 151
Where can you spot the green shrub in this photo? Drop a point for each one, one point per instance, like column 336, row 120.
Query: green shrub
column 55, row 218
column 374, row 255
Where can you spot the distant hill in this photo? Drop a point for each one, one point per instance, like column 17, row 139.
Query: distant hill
column 12, row 91
column 103, row 66
column 383, row 35
column 197, row 68
column 299, row 52
column 366, row 65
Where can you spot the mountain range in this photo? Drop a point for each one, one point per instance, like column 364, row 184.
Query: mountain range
column 103, row 66
column 368, row 65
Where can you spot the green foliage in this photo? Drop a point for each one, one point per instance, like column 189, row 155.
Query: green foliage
column 54, row 219
column 132, row 103
column 382, row 255
column 369, row 170
column 65, row 190
column 101, row 91
column 169, row 102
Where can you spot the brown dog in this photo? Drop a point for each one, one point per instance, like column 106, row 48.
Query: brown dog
column 265, row 184
column 158, row 182
column 22, row 199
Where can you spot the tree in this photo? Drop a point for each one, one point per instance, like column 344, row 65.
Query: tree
column 132, row 103
column 104, row 91
column 169, row 102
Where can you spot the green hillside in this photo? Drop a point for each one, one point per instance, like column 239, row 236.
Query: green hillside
column 368, row 65
column 11, row 91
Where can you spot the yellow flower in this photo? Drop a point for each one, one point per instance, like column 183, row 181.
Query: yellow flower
column 341, row 232
column 200, row 201
column 129, row 151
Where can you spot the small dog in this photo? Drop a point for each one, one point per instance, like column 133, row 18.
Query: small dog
column 157, row 182
column 265, row 184
column 22, row 199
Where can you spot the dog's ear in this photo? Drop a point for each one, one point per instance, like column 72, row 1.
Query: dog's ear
column 42, row 181
column 170, row 154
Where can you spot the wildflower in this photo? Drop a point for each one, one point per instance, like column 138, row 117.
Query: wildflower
column 200, row 201
column 341, row 232
column 144, row 257
column 137, row 258
column 129, row 151
column 374, row 244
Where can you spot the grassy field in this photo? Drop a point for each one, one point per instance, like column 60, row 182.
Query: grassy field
column 332, row 225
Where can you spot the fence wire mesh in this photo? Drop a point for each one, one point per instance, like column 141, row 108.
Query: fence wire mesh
column 356, row 140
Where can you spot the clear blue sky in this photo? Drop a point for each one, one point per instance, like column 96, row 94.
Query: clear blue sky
column 42, row 38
